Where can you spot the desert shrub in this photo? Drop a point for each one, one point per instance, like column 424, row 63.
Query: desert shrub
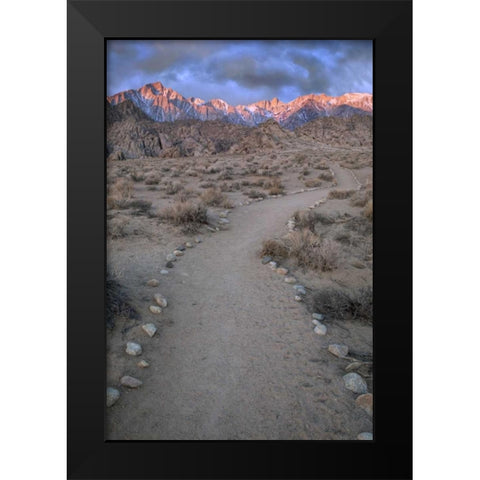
column 165, row 169
column 312, row 183
column 360, row 199
column 175, row 173
column 225, row 176
column 255, row 194
column 309, row 251
column 119, row 193
column 360, row 225
column 343, row 237
column 207, row 185
column 117, row 302
column 185, row 194
column 299, row 158
column 173, row 188
column 137, row 176
column 274, row 248
column 141, row 207
column 215, row 198
column 306, row 172
column 321, row 166
column 152, row 180
column 274, row 187
column 116, row 226
column 245, row 183
column 340, row 194
column 368, row 210
column 341, row 303
column 326, row 176
column 305, row 219
column 187, row 214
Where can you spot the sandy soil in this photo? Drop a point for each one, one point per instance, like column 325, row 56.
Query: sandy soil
column 235, row 356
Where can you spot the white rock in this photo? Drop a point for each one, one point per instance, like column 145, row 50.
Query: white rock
column 112, row 396
column 171, row 257
column 164, row 272
column 318, row 316
column 178, row 253
column 134, row 349
column 316, row 322
column 130, row 382
column 188, row 245
column 290, row 279
column 150, row 329
column 320, row 329
column 155, row 309
column 160, row 299
column 282, row 270
column 273, row 265
column 340, row 351
column 355, row 383
column 365, row 436
column 153, row 283
column 198, row 240
column 298, row 298
column 143, row 364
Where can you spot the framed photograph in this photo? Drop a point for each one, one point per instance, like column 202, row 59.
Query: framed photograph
column 239, row 239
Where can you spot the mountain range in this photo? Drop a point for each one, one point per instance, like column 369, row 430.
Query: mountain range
column 163, row 104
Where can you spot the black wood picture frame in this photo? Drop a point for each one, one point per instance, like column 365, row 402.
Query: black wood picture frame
column 389, row 24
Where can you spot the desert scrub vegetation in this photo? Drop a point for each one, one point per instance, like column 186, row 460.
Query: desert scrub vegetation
column 215, row 198
column 326, row 176
column 187, row 215
column 306, row 249
column 274, row 187
column 116, row 226
column 152, row 180
column 273, row 248
column 360, row 199
column 117, row 302
column 312, row 182
column 355, row 304
column 172, row 188
column 254, row 194
column 119, row 193
column 310, row 251
column 340, row 194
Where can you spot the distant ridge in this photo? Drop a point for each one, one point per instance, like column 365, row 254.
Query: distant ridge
column 163, row 104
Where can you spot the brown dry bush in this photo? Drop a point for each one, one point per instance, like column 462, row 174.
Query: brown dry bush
column 117, row 302
column 341, row 304
column 137, row 176
column 274, row 249
column 326, row 176
column 119, row 193
column 187, row 214
column 215, row 198
column 360, row 199
column 340, row 194
column 312, row 183
column 309, row 251
column 116, row 227
column 255, row 194
column 173, row 188
column 274, row 187
column 305, row 219
column 152, row 180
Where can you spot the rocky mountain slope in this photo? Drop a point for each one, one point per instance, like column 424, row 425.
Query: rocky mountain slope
column 163, row 104
column 131, row 134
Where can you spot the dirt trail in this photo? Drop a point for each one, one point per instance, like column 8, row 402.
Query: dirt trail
column 236, row 357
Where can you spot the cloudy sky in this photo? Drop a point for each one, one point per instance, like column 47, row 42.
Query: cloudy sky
column 242, row 72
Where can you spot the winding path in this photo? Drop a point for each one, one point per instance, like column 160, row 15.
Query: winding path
column 236, row 357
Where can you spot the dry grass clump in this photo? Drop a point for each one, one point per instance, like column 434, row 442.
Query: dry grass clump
column 360, row 199
column 117, row 302
column 215, row 198
column 310, row 251
column 340, row 194
column 275, row 187
column 326, row 176
column 119, row 193
column 321, row 165
column 312, row 182
column 141, row 207
column 116, row 227
column 137, row 176
column 274, row 249
column 368, row 210
column 255, row 194
column 305, row 219
column 341, row 304
column 187, row 214
column 173, row 188
column 152, row 180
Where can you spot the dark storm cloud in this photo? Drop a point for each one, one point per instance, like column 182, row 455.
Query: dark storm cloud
column 242, row 71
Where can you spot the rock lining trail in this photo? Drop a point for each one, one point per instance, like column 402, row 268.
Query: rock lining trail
column 235, row 356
